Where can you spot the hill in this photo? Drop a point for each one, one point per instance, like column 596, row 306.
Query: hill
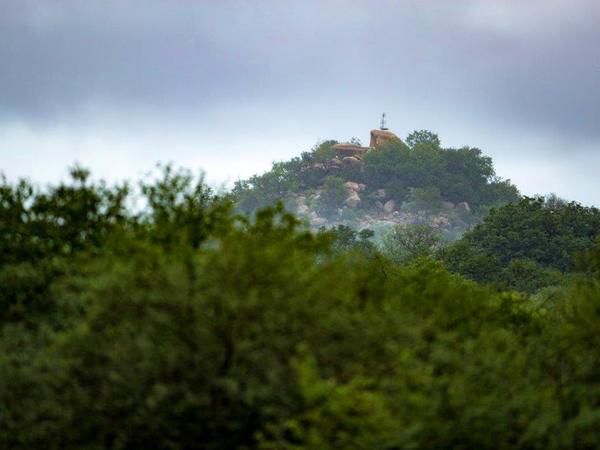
column 388, row 183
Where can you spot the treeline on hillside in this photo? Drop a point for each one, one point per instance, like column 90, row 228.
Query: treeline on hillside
column 526, row 246
column 418, row 174
column 186, row 326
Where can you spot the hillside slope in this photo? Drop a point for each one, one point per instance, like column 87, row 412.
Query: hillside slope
column 390, row 182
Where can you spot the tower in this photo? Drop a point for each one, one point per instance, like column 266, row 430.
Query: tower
column 383, row 124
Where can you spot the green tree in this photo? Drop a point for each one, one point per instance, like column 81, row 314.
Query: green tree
column 43, row 233
column 333, row 194
column 323, row 151
column 408, row 242
column 529, row 238
column 423, row 199
column 181, row 206
column 346, row 239
column 423, row 137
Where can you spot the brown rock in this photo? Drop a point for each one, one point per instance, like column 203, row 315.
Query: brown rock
column 389, row 206
column 379, row 137
column 464, row 206
column 353, row 200
column 351, row 186
column 351, row 161
column 440, row 222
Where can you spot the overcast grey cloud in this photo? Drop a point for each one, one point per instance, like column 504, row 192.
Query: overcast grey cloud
column 229, row 86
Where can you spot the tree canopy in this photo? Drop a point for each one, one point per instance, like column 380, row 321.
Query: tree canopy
column 183, row 325
column 533, row 240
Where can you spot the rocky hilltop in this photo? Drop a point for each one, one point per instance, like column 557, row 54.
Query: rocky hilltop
column 390, row 182
column 386, row 213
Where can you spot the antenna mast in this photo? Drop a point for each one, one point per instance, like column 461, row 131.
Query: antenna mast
column 383, row 127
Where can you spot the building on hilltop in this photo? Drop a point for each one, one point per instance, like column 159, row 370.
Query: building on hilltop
column 348, row 149
column 378, row 137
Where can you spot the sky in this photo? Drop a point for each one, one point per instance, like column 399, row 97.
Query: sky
column 227, row 87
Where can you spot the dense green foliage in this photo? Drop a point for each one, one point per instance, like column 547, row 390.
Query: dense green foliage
column 420, row 170
column 527, row 245
column 456, row 175
column 183, row 326
column 39, row 231
column 408, row 242
column 333, row 194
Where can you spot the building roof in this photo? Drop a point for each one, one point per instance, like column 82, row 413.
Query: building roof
column 350, row 147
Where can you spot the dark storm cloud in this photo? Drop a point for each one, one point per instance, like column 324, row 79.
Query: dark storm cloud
column 160, row 54
column 533, row 65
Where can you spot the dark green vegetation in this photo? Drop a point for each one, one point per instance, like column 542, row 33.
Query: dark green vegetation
column 527, row 245
column 184, row 326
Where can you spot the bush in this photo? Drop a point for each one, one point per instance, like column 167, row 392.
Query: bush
column 526, row 245
column 405, row 243
column 333, row 194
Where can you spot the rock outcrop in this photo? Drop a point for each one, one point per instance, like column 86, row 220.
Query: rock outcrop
column 379, row 137
column 389, row 206
column 464, row 206
column 350, row 150
column 353, row 200
column 351, row 161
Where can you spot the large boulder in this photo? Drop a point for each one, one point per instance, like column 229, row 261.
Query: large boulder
column 381, row 136
column 302, row 209
column 440, row 222
column 318, row 222
column 353, row 200
column 389, row 206
column 464, row 206
column 351, row 186
column 351, row 161
column 380, row 194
